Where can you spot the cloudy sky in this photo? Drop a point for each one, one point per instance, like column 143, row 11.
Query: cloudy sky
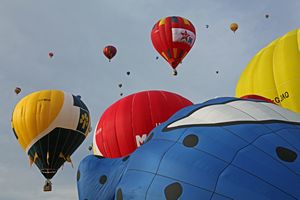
column 77, row 30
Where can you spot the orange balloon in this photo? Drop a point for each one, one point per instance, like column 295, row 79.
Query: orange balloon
column 234, row 27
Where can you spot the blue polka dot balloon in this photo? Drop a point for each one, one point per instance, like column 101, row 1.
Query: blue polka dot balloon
column 225, row 148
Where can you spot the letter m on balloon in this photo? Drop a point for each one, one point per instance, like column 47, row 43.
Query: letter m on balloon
column 140, row 139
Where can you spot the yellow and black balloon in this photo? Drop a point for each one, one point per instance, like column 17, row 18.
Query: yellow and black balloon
column 274, row 72
column 50, row 125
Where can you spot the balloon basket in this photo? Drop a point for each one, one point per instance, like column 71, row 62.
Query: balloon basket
column 48, row 186
column 174, row 72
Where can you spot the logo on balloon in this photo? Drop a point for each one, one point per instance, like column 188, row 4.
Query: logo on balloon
column 140, row 139
column 183, row 35
column 281, row 97
column 84, row 121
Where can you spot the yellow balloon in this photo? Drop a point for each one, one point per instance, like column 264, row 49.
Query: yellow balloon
column 274, row 72
column 50, row 125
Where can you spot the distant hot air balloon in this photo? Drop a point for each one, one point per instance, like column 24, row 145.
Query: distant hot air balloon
column 120, row 85
column 90, row 148
column 128, row 73
column 121, row 94
column 234, row 27
column 125, row 124
column 274, row 72
column 267, row 16
column 56, row 124
column 109, row 51
column 50, row 54
column 173, row 37
column 17, row 90
column 207, row 26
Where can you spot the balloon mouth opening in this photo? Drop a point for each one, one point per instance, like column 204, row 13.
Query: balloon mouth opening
column 174, row 63
column 48, row 173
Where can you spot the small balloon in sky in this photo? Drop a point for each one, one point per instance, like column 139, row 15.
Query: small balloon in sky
column 90, row 148
column 17, row 90
column 50, row 54
column 109, row 52
column 234, row 27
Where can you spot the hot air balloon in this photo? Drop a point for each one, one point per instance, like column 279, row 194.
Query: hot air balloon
column 98, row 177
column 109, row 51
column 274, row 72
column 125, row 125
column 267, row 16
column 225, row 148
column 173, row 37
column 206, row 26
column 56, row 124
column 234, row 27
column 17, row 90
column 50, row 54
column 128, row 73
column 120, row 85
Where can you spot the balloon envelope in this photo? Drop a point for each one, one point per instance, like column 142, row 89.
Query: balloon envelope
column 234, row 27
column 225, row 148
column 274, row 72
column 173, row 37
column 17, row 90
column 109, row 51
column 125, row 124
column 56, row 124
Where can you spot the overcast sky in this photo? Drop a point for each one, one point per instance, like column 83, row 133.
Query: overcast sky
column 77, row 30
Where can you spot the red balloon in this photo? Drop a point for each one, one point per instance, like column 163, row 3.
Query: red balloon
column 173, row 37
column 125, row 125
column 109, row 51
column 50, row 54
column 254, row 96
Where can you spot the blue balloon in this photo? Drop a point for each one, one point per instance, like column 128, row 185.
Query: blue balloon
column 97, row 177
column 225, row 148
